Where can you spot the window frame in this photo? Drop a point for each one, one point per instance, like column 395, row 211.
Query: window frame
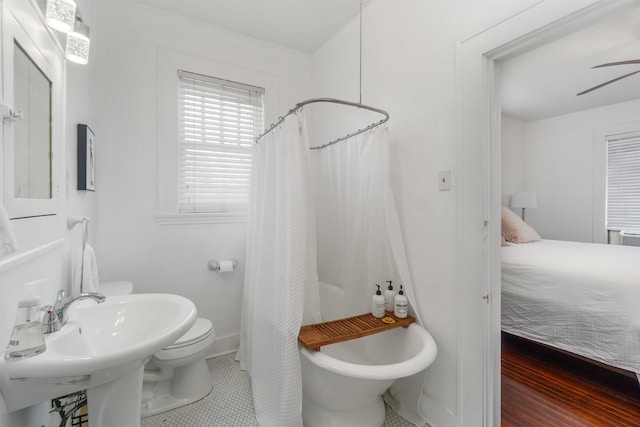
column 633, row 137
column 217, row 121
column 169, row 62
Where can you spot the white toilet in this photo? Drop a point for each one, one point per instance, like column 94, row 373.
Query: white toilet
column 178, row 374
column 119, row 287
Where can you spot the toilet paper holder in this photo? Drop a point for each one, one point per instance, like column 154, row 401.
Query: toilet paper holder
column 222, row 266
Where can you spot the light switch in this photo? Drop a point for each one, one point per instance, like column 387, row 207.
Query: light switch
column 444, row 180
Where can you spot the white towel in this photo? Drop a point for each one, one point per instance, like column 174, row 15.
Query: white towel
column 85, row 271
column 7, row 238
column 76, row 276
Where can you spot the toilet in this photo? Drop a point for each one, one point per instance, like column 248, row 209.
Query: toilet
column 119, row 287
column 178, row 374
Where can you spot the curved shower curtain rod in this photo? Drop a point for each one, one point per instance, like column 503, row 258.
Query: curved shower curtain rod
column 299, row 106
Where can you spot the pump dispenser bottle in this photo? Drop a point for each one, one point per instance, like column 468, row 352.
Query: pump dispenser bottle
column 400, row 305
column 377, row 304
column 27, row 338
column 389, row 296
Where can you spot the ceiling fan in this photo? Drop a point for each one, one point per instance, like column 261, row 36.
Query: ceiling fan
column 609, row 64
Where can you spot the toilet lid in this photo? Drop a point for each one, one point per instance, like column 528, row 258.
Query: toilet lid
column 200, row 330
column 119, row 287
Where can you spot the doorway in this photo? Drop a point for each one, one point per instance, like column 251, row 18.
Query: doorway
column 480, row 197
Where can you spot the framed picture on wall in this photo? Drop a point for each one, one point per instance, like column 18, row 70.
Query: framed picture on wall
column 86, row 158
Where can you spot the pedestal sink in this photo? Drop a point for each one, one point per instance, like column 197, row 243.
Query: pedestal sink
column 103, row 348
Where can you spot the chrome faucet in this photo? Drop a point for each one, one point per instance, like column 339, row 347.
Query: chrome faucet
column 55, row 316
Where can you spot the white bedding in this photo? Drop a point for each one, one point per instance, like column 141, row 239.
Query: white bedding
column 580, row 297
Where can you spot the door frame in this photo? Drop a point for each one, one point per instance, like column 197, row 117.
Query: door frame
column 479, row 154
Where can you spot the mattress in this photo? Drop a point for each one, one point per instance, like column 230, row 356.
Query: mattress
column 580, row 297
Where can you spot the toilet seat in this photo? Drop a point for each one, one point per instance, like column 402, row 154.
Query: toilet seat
column 199, row 337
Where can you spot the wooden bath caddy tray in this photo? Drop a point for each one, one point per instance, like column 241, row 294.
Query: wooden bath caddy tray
column 318, row 334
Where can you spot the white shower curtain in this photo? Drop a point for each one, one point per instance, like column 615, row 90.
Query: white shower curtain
column 360, row 242
column 342, row 195
column 281, row 284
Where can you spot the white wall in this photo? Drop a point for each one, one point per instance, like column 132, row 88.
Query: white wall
column 564, row 164
column 81, row 87
column 513, row 158
column 130, row 244
column 409, row 69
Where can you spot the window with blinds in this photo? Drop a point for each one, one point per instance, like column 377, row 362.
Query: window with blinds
column 623, row 182
column 218, row 120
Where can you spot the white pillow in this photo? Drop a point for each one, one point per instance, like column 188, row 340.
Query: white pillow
column 516, row 230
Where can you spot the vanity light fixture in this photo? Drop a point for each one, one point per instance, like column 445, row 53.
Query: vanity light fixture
column 61, row 14
column 77, row 49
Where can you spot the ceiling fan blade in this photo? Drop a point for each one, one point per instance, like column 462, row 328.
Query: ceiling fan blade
column 609, row 82
column 609, row 64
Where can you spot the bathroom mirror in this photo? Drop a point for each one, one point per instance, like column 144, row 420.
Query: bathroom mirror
column 32, row 132
column 33, row 68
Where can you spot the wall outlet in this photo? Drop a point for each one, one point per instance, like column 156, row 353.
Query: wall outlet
column 444, row 180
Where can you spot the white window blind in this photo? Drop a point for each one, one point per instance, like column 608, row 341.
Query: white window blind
column 218, row 120
column 623, row 182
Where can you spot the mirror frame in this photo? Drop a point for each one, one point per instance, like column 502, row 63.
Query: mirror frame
column 23, row 23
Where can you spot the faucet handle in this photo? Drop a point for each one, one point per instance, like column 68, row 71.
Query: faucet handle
column 60, row 295
column 50, row 320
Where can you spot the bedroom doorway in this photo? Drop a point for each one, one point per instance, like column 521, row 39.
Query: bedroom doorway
column 544, row 123
column 480, row 196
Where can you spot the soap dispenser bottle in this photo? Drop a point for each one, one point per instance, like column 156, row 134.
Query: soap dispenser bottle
column 389, row 296
column 400, row 305
column 377, row 304
column 27, row 338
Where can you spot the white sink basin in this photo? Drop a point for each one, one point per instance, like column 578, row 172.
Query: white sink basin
column 100, row 343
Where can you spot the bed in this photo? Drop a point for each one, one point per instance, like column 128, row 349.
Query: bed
column 583, row 298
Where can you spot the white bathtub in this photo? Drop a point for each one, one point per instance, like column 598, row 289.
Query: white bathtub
column 342, row 384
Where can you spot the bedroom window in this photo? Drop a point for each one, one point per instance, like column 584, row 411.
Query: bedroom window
column 623, row 181
column 217, row 121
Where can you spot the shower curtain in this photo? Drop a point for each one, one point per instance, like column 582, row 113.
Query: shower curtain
column 360, row 242
column 353, row 249
column 281, row 284
column 340, row 195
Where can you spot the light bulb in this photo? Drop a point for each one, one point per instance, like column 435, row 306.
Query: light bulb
column 61, row 14
column 78, row 43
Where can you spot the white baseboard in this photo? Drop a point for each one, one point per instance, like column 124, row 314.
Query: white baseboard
column 437, row 415
column 224, row 345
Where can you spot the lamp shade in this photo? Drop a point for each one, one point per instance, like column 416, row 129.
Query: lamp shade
column 78, row 43
column 524, row 199
column 61, row 14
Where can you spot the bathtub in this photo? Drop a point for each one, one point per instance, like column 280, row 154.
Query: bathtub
column 342, row 384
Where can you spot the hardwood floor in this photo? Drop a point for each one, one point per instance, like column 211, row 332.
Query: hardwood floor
column 542, row 387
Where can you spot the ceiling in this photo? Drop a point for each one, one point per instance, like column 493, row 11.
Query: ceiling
column 543, row 82
column 303, row 25
column 537, row 84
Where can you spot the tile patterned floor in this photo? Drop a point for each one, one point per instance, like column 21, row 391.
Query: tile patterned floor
column 229, row 404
